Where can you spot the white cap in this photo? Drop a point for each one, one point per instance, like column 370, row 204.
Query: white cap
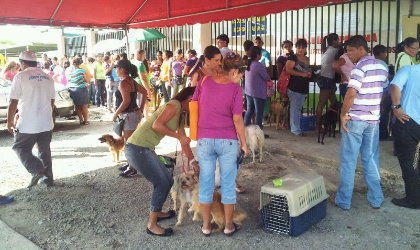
column 27, row 56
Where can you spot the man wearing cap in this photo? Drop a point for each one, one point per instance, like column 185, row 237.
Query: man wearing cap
column 33, row 95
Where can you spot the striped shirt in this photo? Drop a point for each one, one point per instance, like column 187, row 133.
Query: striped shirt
column 77, row 79
column 368, row 79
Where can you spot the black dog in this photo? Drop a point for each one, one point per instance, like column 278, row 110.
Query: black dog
column 328, row 122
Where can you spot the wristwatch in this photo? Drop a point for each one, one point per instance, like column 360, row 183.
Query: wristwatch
column 393, row 107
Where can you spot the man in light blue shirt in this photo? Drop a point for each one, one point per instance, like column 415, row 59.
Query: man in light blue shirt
column 405, row 95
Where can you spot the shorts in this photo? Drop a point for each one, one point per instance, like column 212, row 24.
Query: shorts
column 132, row 119
column 80, row 96
column 325, row 83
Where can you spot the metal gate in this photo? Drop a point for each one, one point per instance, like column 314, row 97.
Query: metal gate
column 377, row 20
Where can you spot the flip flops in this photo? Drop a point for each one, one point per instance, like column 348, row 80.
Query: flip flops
column 233, row 232
column 167, row 232
column 207, row 235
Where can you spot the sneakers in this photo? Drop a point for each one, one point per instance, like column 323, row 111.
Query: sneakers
column 47, row 181
column 123, row 168
column 35, row 179
column 6, row 199
column 128, row 172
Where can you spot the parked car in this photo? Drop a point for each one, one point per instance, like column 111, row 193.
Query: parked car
column 63, row 105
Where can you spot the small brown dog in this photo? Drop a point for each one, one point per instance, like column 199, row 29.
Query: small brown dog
column 217, row 210
column 115, row 145
column 280, row 112
column 284, row 114
column 182, row 191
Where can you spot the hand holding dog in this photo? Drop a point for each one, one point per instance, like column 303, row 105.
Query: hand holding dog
column 184, row 140
column 344, row 119
column 245, row 149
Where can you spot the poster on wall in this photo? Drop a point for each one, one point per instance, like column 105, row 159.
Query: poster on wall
column 239, row 27
column 258, row 26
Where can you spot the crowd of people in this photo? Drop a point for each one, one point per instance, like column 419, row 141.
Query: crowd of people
column 169, row 82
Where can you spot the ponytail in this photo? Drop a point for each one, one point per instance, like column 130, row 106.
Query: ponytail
column 254, row 52
column 132, row 71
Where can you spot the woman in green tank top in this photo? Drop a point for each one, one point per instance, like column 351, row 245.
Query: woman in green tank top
column 168, row 120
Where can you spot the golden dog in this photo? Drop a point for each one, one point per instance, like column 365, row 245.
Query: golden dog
column 217, row 210
column 280, row 112
column 182, row 191
column 115, row 145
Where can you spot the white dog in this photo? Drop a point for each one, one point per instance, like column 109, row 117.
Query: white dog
column 255, row 140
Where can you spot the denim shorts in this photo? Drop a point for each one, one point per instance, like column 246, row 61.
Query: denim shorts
column 224, row 151
column 132, row 119
column 325, row 83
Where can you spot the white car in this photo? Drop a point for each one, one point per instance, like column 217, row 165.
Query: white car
column 63, row 105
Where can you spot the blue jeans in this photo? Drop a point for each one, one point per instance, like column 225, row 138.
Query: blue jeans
column 148, row 164
column 254, row 105
column 110, row 92
column 363, row 137
column 296, row 103
column 226, row 151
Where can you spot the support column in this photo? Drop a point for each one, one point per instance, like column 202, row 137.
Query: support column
column 90, row 42
column 61, row 46
column 202, row 37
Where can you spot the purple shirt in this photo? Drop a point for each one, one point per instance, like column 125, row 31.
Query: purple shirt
column 177, row 68
column 255, row 80
column 217, row 103
column 190, row 63
column 367, row 78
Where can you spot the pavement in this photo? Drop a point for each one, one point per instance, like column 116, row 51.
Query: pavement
column 279, row 142
column 10, row 239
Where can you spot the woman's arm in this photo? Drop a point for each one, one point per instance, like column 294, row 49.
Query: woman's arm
column 263, row 73
column 337, row 64
column 143, row 92
column 160, row 125
column 290, row 70
column 125, row 93
column 194, row 79
column 240, row 130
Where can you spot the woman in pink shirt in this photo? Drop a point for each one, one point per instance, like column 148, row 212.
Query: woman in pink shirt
column 220, row 124
column 343, row 66
column 10, row 70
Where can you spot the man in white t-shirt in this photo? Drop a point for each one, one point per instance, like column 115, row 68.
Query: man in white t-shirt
column 222, row 44
column 33, row 95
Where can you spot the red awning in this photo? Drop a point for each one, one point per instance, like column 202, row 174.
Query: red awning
column 142, row 13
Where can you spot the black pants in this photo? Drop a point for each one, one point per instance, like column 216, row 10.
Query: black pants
column 406, row 139
column 384, row 124
column 100, row 92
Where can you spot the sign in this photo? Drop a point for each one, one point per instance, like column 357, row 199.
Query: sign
column 239, row 27
column 258, row 25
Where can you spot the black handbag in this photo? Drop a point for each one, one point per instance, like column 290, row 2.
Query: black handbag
column 119, row 126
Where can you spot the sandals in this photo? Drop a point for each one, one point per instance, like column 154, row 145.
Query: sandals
column 201, row 228
column 240, row 189
column 167, row 232
column 233, row 232
column 171, row 214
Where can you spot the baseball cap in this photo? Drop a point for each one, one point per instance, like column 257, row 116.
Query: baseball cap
column 27, row 56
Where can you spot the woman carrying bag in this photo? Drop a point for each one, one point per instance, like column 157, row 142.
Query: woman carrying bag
column 126, row 103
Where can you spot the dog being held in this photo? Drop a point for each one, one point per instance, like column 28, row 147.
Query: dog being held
column 328, row 122
column 255, row 140
column 115, row 145
column 217, row 210
column 280, row 110
column 182, row 191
